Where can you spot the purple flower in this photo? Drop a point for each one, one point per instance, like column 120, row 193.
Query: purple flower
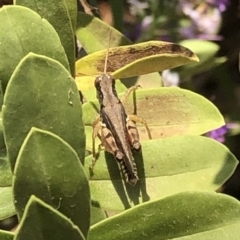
column 132, row 32
column 205, row 20
column 220, row 4
column 218, row 134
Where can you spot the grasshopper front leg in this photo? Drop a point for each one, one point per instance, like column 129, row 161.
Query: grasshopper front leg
column 128, row 92
column 97, row 125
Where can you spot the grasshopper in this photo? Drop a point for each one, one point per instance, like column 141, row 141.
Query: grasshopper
column 116, row 129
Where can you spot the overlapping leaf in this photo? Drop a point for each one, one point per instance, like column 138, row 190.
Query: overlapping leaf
column 5, row 235
column 49, row 100
column 7, row 208
column 25, row 31
column 193, row 215
column 93, row 34
column 50, row 169
column 40, row 222
column 5, row 170
column 56, row 13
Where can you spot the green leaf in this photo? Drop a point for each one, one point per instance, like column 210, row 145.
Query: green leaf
column 189, row 215
column 50, row 169
column 5, row 170
column 7, row 208
column 5, row 235
column 93, row 34
column 117, row 11
column 72, row 11
column 165, row 166
column 40, row 222
column 97, row 214
column 206, row 51
column 136, row 59
column 56, row 13
column 2, row 142
column 168, row 112
column 51, row 102
column 25, row 31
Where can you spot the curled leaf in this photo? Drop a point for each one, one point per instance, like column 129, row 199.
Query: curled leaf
column 136, row 59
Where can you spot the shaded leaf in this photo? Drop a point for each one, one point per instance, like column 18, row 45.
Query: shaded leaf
column 117, row 11
column 7, row 208
column 165, row 166
column 136, row 59
column 25, row 31
column 72, row 11
column 5, row 235
column 5, row 170
column 206, row 51
column 51, row 102
column 168, row 112
column 50, row 169
column 188, row 215
column 2, row 142
column 56, row 13
column 40, row 222
column 93, row 34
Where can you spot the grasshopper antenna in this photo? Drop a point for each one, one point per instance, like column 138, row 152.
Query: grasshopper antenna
column 106, row 58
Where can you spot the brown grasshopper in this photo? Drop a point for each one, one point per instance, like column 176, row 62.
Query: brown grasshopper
column 116, row 129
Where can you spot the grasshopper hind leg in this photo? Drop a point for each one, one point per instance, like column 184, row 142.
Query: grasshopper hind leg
column 110, row 145
column 133, row 135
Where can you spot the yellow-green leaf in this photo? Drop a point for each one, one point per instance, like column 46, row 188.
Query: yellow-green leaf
column 169, row 111
column 136, row 59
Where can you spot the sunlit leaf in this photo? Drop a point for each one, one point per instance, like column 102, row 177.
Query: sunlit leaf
column 136, row 59
column 184, row 216
column 7, row 208
column 169, row 111
column 165, row 166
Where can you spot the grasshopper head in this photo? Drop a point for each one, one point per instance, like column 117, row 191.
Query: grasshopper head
column 106, row 92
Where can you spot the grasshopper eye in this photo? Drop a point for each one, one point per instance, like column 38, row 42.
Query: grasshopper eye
column 97, row 81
